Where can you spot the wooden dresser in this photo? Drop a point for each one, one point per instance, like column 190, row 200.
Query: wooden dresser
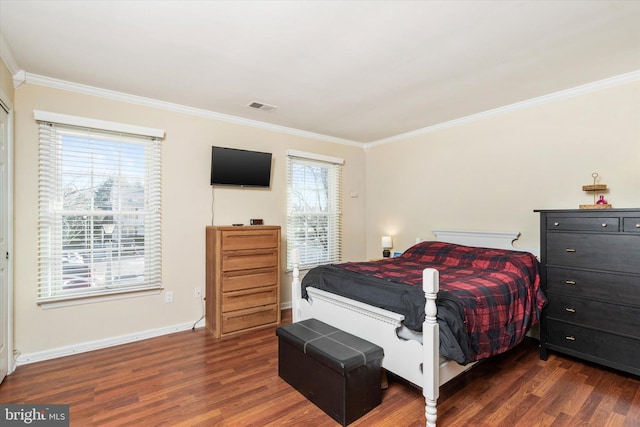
column 243, row 278
column 591, row 276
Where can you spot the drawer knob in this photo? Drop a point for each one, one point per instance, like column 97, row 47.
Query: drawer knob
column 570, row 338
column 556, row 224
column 638, row 225
column 570, row 310
column 570, row 250
column 570, row 282
column 604, row 224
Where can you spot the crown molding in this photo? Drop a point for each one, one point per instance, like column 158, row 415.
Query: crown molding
column 169, row 106
column 557, row 96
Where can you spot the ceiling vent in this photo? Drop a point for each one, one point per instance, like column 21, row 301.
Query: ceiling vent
column 262, row 106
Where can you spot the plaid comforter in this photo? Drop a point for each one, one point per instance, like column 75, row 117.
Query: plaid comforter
column 498, row 290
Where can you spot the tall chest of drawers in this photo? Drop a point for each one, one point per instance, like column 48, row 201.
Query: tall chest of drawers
column 590, row 268
column 243, row 278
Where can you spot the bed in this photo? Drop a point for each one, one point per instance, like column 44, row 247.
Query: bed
column 408, row 325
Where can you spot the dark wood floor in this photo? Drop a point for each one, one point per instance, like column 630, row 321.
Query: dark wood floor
column 191, row 379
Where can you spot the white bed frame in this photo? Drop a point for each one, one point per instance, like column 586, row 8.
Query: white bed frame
column 418, row 363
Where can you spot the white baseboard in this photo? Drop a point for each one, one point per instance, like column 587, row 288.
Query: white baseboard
column 285, row 305
column 39, row 356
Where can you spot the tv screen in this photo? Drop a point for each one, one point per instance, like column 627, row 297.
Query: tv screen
column 243, row 168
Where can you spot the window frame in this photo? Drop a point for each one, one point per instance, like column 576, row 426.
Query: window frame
column 52, row 288
column 332, row 215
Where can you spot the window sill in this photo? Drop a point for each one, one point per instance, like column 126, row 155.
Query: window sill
column 124, row 294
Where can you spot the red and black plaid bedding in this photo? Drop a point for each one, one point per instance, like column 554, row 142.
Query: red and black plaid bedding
column 499, row 290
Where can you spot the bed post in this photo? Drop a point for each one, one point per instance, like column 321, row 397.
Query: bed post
column 431, row 346
column 296, row 292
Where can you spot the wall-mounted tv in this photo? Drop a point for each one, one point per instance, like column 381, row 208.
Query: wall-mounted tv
column 242, row 168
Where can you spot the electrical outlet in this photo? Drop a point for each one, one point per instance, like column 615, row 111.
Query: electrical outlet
column 168, row 297
column 197, row 293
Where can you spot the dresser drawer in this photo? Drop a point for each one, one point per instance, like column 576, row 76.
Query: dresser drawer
column 249, row 239
column 616, row 288
column 249, row 259
column 248, row 279
column 601, row 347
column 610, row 252
column 239, row 300
column 249, row 318
column 631, row 225
column 581, row 223
column 610, row 317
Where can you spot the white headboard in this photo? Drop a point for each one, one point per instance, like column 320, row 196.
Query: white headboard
column 485, row 239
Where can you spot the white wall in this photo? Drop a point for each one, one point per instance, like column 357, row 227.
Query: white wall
column 490, row 174
column 186, row 211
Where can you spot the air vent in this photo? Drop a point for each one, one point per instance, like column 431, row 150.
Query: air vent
column 262, row 106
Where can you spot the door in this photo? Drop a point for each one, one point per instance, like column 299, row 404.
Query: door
column 5, row 198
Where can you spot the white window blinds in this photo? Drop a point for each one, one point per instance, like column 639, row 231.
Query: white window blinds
column 99, row 209
column 314, row 199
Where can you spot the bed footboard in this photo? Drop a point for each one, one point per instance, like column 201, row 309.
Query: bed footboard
column 418, row 363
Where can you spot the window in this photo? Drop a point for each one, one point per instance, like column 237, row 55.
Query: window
column 99, row 208
column 313, row 208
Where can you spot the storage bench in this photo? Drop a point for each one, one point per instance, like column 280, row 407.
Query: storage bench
column 337, row 371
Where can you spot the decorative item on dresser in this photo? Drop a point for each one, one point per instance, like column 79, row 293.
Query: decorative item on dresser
column 594, row 188
column 590, row 271
column 243, row 278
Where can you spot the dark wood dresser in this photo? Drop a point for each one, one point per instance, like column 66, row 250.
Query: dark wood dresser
column 243, row 278
column 590, row 268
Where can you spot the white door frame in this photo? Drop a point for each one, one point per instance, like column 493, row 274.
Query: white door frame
column 7, row 203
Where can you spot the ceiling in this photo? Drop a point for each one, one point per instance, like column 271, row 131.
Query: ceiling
column 359, row 71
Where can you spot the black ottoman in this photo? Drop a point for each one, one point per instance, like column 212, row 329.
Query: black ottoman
column 337, row 371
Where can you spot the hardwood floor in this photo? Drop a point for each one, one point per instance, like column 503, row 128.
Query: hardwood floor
column 191, row 379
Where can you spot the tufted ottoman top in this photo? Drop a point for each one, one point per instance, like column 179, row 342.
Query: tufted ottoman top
column 330, row 346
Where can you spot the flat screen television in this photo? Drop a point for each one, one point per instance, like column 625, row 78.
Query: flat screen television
column 241, row 168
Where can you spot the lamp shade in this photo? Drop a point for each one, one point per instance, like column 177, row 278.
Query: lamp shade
column 386, row 242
